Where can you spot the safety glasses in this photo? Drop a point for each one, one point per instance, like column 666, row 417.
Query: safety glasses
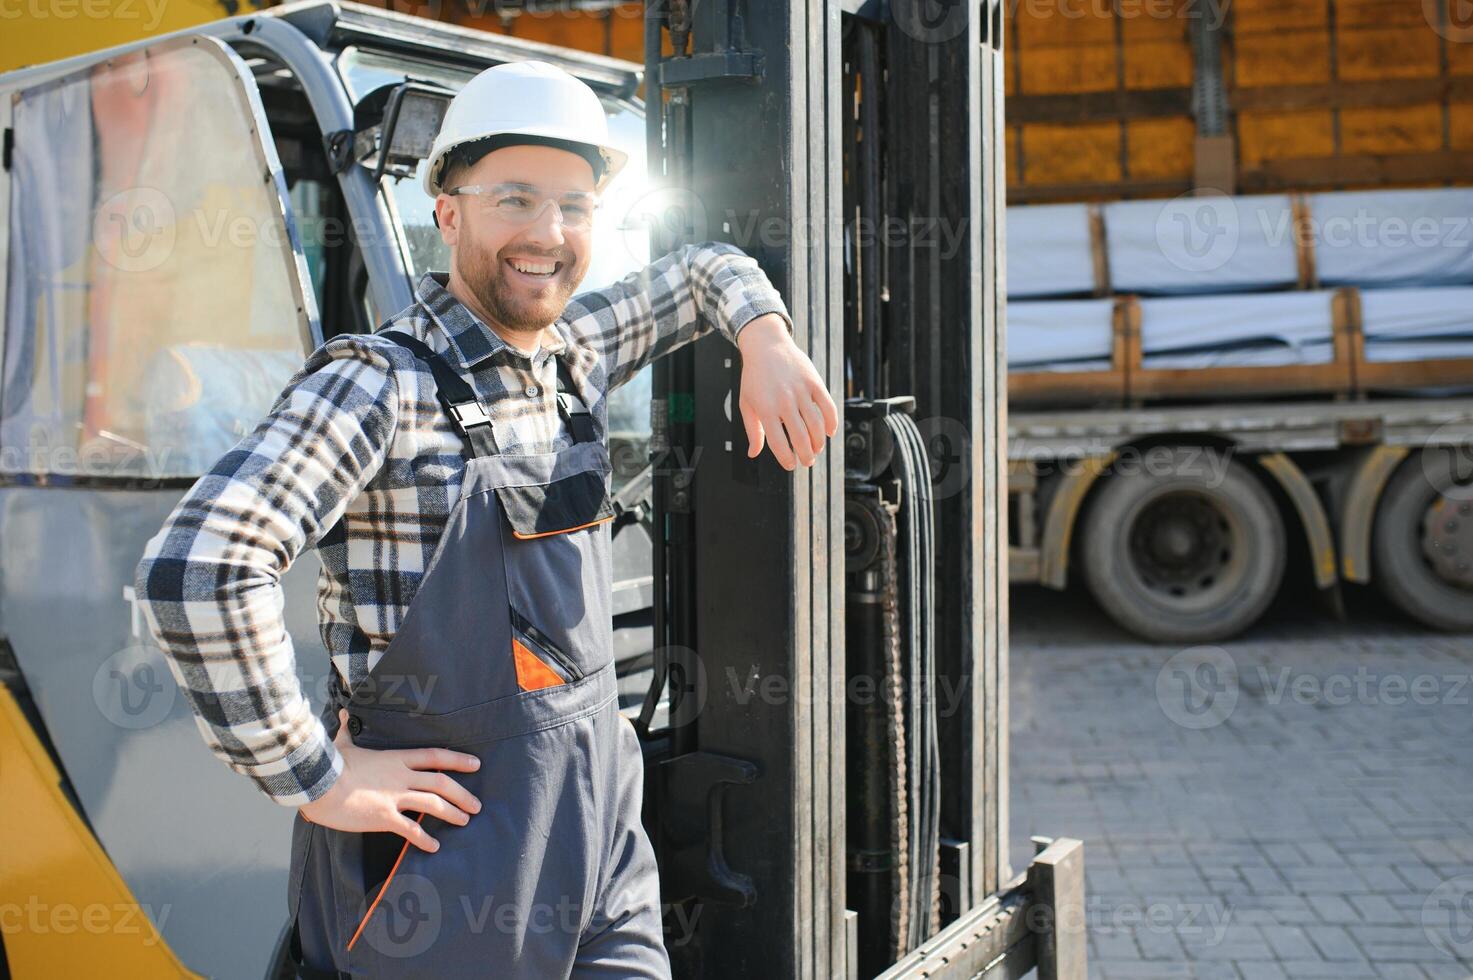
column 521, row 204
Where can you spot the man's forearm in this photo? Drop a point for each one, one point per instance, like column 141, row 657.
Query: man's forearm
column 676, row 299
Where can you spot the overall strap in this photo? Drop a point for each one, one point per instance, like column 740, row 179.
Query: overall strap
column 574, row 412
column 455, row 394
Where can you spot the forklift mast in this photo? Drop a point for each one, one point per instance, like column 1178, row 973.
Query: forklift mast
column 856, row 150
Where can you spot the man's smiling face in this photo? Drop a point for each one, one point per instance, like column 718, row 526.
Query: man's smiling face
column 518, row 278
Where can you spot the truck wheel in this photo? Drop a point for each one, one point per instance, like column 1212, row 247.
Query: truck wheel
column 1422, row 544
column 1177, row 556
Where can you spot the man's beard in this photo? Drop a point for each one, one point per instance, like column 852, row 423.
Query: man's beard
column 485, row 275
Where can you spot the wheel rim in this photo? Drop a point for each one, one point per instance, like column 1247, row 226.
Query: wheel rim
column 1447, row 538
column 1186, row 549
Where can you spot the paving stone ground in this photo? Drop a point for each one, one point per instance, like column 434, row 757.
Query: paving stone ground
column 1295, row 803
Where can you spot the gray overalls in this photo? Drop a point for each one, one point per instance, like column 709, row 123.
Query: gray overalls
column 506, row 653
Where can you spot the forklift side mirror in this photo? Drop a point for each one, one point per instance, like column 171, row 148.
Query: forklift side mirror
column 411, row 122
column 394, row 127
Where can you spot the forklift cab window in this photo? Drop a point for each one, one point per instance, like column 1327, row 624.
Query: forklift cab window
column 330, row 251
column 620, row 243
column 152, row 314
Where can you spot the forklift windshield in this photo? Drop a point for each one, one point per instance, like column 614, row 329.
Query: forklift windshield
column 154, row 308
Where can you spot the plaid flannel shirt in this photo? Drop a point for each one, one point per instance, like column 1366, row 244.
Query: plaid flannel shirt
column 357, row 459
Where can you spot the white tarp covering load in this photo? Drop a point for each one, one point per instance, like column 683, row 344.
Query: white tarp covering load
column 1260, row 330
column 1219, row 274
column 1060, row 335
column 1417, row 324
column 1393, row 238
column 1207, row 244
column 1049, row 251
column 1215, row 244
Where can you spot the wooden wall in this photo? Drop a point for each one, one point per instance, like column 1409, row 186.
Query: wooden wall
column 1320, row 93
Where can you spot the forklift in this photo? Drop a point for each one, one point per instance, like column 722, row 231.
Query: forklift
column 826, row 783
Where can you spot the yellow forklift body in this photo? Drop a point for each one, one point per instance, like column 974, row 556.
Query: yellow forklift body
column 58, row 880
column 45, row 30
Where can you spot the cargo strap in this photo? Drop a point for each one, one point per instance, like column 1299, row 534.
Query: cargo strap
column 465, row 410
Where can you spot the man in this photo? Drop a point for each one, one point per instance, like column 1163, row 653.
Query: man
column 452, row 471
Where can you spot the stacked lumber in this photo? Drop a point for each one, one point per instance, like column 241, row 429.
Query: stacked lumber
column 1339, row 293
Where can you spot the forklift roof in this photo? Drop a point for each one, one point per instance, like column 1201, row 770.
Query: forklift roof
column 334, row 25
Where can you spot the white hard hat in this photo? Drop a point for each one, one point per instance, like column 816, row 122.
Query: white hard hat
column 525, row 98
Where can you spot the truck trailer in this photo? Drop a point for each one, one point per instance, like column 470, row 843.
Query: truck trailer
column 1180, row 487
column 1214, row 394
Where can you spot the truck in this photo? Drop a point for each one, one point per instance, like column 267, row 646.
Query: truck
column 1188, row 498
column 185, row 217
column 1198, row 430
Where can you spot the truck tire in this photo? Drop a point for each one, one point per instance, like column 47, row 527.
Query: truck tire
column 1177, row 555
column 1422, row 542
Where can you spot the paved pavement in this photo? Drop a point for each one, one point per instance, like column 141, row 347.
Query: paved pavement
column 1295, row 803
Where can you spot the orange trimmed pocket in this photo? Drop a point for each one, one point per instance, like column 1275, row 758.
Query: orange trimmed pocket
column 566, row 530
column 573, row 503
column 532, row 673
column 539, row 662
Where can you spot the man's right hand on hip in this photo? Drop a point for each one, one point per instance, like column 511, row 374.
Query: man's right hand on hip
column 376, row 786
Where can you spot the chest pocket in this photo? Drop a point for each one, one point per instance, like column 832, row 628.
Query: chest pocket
column 575, row 502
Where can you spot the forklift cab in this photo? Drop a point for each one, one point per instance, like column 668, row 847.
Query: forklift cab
column 154, row 156
column 183, row 220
